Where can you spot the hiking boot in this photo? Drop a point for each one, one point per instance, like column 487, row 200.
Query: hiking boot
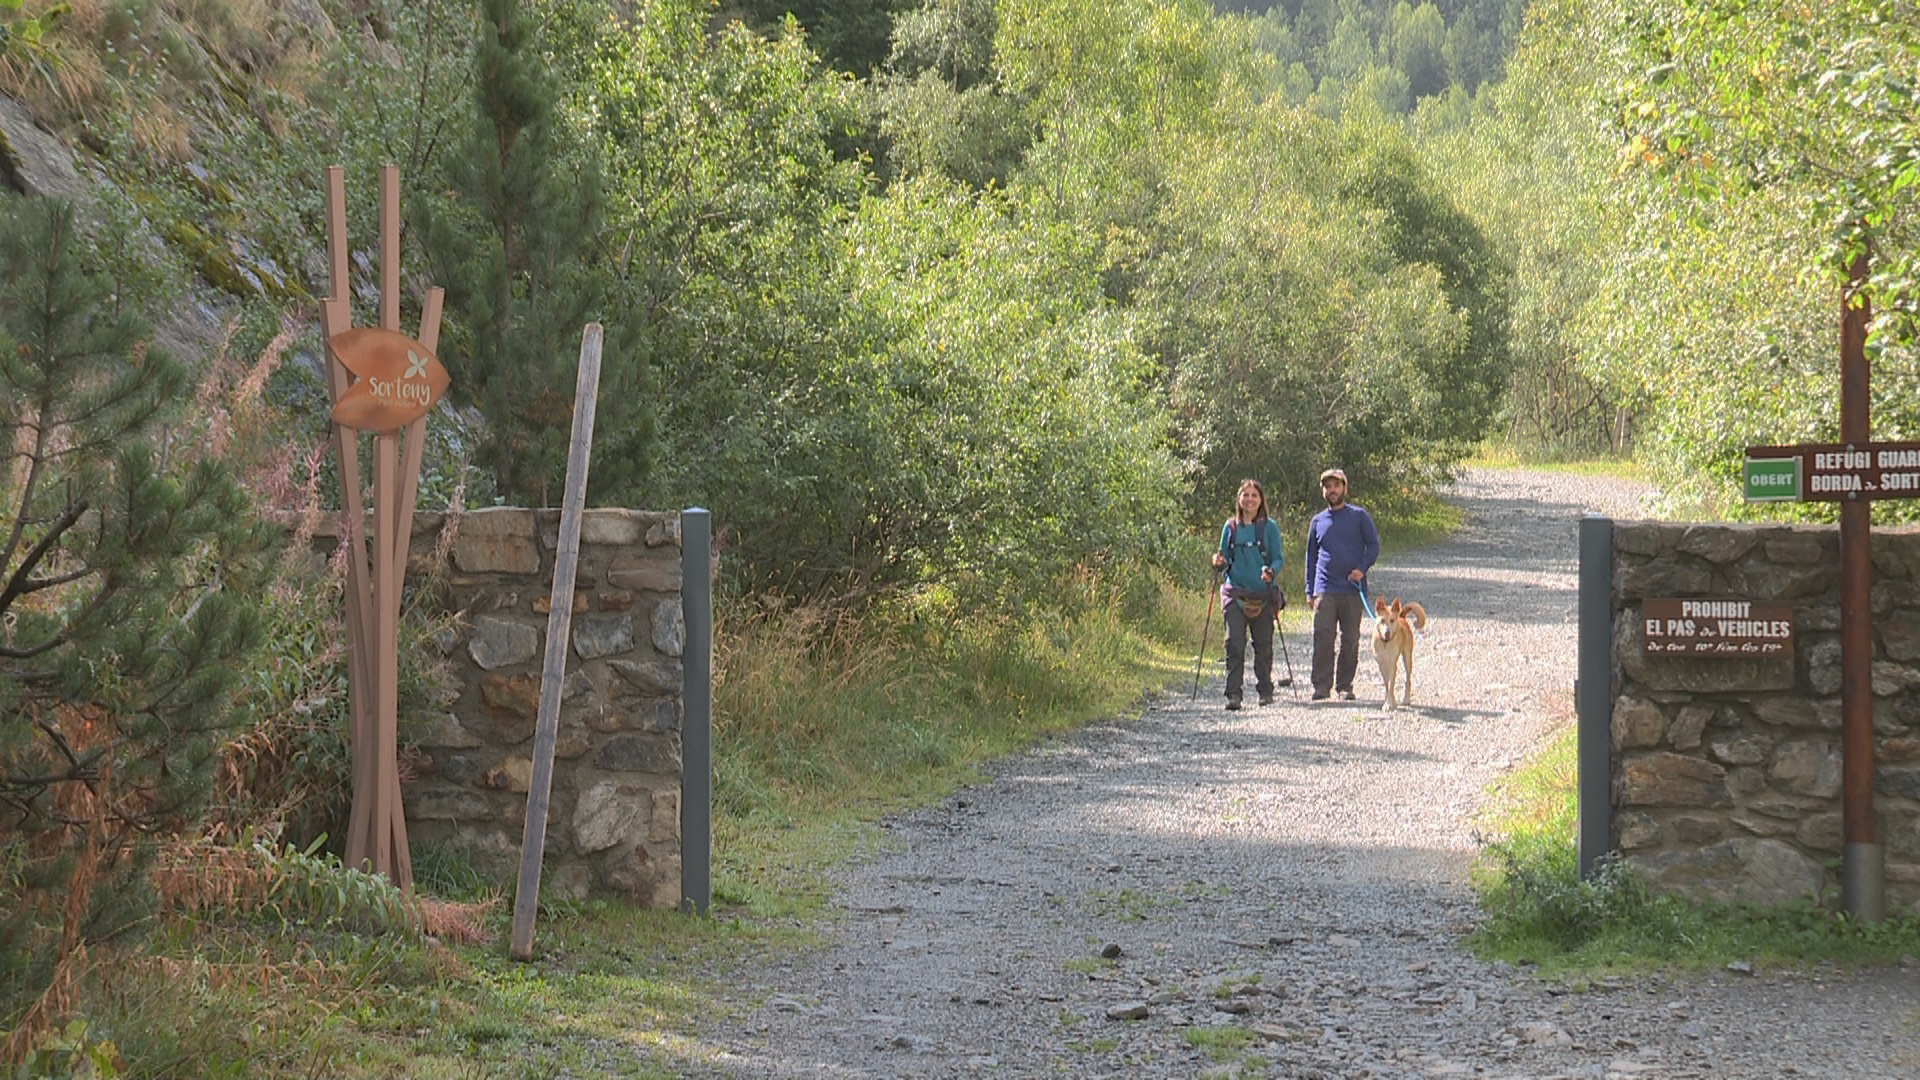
column 1321, row 695
column 1233, row 704
column 1346, row 695
column 1266, row 697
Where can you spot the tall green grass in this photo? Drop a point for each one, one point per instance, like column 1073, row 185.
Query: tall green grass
column 824, row 722
column 1540, row 911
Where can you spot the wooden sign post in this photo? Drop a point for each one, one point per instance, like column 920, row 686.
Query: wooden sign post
column 384, row 382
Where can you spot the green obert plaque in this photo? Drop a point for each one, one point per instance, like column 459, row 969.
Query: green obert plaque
column 1773, row 479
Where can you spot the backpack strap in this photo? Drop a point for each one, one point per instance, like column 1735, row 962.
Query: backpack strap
column 1259, row 537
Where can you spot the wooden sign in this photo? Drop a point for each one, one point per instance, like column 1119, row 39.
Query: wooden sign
column 1737, row 629
column 1832, row 472
column 396, row 379
column 382, row 380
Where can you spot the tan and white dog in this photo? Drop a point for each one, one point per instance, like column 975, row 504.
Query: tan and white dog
column 1393, row 627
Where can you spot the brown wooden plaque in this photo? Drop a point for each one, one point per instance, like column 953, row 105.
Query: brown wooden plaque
column 396, row 379
column 1717, row 627
column 1833, row 472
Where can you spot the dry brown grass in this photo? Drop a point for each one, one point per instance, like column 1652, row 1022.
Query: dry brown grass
column 96, row 836
column 142, row 68
column 197, row 878
column 161, row 135
column 65, row 77
column 459, row 923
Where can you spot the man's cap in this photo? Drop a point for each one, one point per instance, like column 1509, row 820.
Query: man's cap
column 1333, row 474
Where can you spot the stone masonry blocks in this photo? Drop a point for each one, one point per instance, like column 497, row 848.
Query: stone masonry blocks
column 1727, row 773
column 613, row 822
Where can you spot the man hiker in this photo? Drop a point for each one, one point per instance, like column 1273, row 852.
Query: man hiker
column 1342, row 545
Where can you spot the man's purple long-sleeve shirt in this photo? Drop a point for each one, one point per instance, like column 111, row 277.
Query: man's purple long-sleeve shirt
column 1338, row 543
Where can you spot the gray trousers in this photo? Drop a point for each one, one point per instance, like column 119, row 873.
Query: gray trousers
column 1239, row 628
column 1336, row 612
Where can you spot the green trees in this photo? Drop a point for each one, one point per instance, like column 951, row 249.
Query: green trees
column 943, row 110
column 1420, row 226
column 872, row 390
column 1693, row 181
column 514, row 236
column 1392, row 54
column 850, row 35
column 1008, row 426
column 1325, row 314
column 127, row 598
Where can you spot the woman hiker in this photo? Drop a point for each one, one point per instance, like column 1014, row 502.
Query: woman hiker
column 1249, row 598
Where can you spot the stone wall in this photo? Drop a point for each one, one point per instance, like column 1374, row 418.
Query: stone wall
column 1727, row 772
column 613, row 824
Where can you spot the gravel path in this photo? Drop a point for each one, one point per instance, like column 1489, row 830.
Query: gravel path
column 1280, row 891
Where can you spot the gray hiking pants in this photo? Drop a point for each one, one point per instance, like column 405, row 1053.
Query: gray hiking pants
column 1336, row 612
column 1239, row 628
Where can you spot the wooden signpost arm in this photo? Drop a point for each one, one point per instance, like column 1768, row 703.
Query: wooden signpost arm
column 336, row 318
column 553, row 673
column 417, row 431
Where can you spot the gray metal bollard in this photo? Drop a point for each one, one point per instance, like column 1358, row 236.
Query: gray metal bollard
column 1593, row 692
column 696, row 698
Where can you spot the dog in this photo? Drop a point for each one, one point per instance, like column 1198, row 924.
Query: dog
column 1393, row 627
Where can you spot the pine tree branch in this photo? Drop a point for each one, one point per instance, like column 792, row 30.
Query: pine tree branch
column 21, row 583
column 36, row 462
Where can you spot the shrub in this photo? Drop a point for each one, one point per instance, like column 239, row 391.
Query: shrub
column 125, row 589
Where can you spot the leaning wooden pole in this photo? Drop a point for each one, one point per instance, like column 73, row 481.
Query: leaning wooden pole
column 553, row 672
column 385, row 383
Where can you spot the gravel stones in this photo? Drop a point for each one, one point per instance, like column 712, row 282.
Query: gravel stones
column 1278, row 891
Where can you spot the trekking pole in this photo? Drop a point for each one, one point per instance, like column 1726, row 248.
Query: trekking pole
column 1213, row 587
column 1280, row 632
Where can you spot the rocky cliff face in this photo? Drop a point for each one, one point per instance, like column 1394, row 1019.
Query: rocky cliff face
column 33, row 161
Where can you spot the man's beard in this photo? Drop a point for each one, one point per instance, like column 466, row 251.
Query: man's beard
column 1335, row 502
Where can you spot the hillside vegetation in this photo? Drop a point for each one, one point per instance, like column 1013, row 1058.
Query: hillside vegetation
column 964, row 316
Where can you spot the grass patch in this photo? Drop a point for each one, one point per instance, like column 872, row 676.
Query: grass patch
column 1409, row 523
column 1221, row 1044
column 823, row 724
column 1541, row 912
column 1124, row 905
column 1235, row 984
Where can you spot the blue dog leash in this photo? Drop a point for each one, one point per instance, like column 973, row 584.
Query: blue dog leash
column 1367, row 601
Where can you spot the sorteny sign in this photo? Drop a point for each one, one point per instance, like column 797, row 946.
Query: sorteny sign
column 396, row 379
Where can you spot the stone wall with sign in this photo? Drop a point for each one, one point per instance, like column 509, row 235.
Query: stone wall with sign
column 1727, row 768
column 614, row 818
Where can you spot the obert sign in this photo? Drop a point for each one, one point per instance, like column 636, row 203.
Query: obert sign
column 1819, row 472
column 396, row 379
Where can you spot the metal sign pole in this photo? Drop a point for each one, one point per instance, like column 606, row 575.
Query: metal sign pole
column 1863, row 861
column 696, row 699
